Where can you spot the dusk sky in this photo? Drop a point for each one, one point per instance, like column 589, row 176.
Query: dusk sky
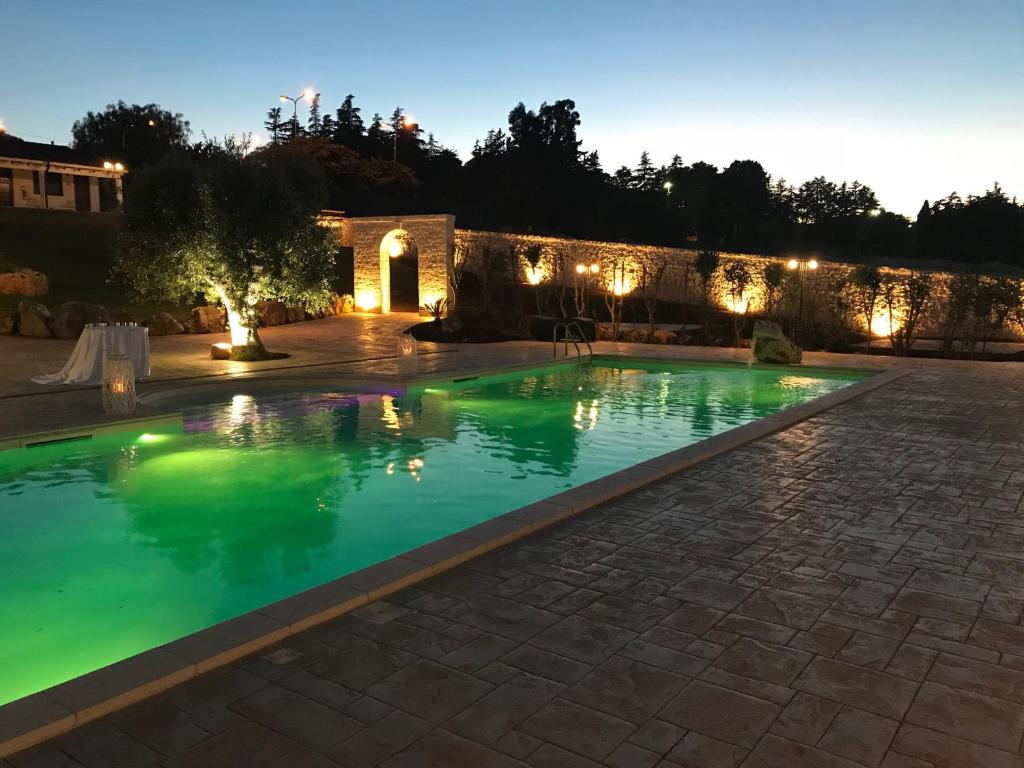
column 916, row 99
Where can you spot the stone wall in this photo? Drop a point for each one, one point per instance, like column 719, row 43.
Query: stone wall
column 434, row 238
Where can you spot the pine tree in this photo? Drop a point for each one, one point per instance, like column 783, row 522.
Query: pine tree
column 327, row 127
column 644, row 176
column 348, row 125
column 315, row 123
column 273, row 124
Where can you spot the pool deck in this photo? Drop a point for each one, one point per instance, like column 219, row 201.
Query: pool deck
column 845, row 592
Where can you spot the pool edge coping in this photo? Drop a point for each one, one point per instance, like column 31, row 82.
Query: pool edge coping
column 41, row 716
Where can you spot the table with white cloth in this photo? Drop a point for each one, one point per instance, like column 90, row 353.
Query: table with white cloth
column 85, row 366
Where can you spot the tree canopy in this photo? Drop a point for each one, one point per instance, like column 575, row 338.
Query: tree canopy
column 134, row 134
column 241, row 229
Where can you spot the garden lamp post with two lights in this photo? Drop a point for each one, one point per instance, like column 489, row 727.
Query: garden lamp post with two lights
column 309, row 94
column 801, row 267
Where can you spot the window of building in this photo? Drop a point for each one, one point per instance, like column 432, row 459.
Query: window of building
column 35, row 182
column 54, row 184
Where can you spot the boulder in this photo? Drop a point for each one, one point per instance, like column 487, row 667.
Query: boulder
column 344, row 304
column 661, row 336
column 272, row 312
column 635, row 335
column 71, row 317
column 772, row 346
column 296, row 314
column 208, row 319
column 24, row 282
column 604, row 332
column 34, row 319
column 7, row 318
column 163, row 324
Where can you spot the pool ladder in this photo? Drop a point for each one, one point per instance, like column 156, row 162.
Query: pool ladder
column 576, row 337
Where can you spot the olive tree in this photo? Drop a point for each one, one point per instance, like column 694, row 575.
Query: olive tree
column 706, row 266
column 239, row 229
column 865, row 283
column 737, row 279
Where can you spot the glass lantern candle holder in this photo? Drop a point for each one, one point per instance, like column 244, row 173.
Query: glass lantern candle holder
column 408, row 358
column 118, row 386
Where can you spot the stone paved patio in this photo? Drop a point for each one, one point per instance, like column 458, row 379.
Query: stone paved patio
column 845, row 593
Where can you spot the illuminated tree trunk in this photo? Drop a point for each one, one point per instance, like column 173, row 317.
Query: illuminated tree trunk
column 243, row 320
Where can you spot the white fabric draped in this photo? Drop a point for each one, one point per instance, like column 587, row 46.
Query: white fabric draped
column 85, row 366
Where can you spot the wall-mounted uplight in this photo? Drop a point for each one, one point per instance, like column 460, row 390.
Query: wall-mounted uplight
column 367, row 300
column 395, row 249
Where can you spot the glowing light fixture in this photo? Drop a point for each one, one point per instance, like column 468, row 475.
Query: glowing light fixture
column 621, row 285
column 367, row 300
column 151, row 123
column 668, row 186
column 792, row 264
column 118, row 389
column 812, row 264
column 3, row 128
column 534, row 275
column 395, row 249
column 581, row 268
column 309, row 94
column 595, row 268
column 107, row 165
column 118, row 167
column 408, row 122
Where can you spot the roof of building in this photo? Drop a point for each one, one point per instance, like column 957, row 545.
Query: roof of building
column 11, row 146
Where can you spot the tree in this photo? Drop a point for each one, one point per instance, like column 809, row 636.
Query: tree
column 273, row 125
column 866, row 283
column 706, row 266
column 242, row 229
column 772, row 278
column 906, row 296
column 650, row 275
column 348, row 125
column 644, row 176
column 315, row 124
column 136, row 134
column 737, row 279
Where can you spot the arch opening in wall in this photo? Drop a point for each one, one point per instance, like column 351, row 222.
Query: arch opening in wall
column 399, row 272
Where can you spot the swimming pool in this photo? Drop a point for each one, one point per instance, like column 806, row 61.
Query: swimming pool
column 118, row 544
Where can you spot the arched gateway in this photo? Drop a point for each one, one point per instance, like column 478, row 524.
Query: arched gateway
column 399, row 263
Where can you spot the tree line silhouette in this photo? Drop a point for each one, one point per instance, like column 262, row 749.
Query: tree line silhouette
column 534, row 176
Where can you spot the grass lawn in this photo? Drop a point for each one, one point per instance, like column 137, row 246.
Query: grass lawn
column 75, row 251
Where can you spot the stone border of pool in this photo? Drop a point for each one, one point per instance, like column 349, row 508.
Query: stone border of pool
column 49, row 713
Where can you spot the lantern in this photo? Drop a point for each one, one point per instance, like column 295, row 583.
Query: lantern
column 408, row 361
column 118, row 385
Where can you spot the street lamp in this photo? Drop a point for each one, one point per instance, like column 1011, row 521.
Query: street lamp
column 801, row 267
column 306, row 94
column 405, row 122
column 667, row 186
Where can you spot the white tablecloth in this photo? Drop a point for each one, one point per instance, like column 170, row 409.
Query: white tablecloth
column 85, row 366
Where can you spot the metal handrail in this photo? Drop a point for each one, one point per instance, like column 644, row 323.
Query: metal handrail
column 578, row 336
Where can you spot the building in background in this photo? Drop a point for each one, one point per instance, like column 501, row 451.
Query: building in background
column 56, row 177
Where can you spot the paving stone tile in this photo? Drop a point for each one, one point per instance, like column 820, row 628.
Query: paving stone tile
column 948, row 584
column 657, row 736
column 911, row 662
column 822, row 639
column 545, row 664
column 771, row 663
column 495, row 714
column 305, row 721
column 578, row 729
column 499, row 616
column 693, row 618
column 376, row 743
column 441, row 748
column 44, row 756
column 318, row 688
column 159, row 726
column 787, row 608
column 805, row 719
column 697, row 751
column 1001, row 570
column 979, row 677
column 101, row 743
column 714, row 594
column 626, row 688
column 582, row 639
column 705, row 649
column 574, row 601
column 429, row 690
column 870, row 651
column 865, row 624
column 362, row 665
column 997, row 636
column 550, row 756
column 896, row 760
column 969, row 715
column 478, row 653
column 624, row 612
column 720, row 713
column 859, row 736
column 250, row 745
column 367, row 709
column 214, row 690
column 776, row 752
column 880, row 693
column 757, row 688
column 757, row 629
column 628, row 755
column 947, row 751
column 935, row 606
column 517, row 744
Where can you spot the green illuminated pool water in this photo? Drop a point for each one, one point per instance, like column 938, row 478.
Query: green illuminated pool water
column 112, row 546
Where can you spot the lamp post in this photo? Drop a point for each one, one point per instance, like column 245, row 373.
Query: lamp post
column 306, row 94
column 801, row 267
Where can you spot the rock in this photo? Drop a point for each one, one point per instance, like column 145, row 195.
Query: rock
column 635, row 335
column 24, row 282
column 296, row 314
column 34, row 319
column 604, row 332
column 272, row 312
column 163, row 324
column 7, row 318
column 71, row 317
column 344, row 304
column 208, row 319
column 772, row 346
column 661, row 336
